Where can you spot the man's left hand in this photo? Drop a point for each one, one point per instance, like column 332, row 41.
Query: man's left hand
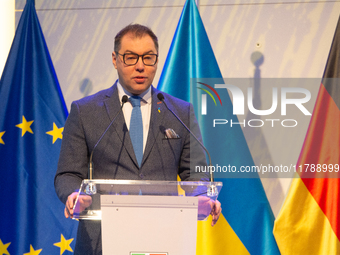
column 215, row 212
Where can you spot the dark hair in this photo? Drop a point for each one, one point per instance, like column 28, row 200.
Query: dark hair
column 136, row 30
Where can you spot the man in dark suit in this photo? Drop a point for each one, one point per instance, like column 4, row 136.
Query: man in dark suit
column 137, row 145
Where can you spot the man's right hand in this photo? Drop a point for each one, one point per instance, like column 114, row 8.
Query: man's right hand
column 84, row 201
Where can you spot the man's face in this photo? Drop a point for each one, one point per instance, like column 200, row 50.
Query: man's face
column 137, row 78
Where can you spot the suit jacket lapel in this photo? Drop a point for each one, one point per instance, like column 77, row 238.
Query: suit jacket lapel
column 113, row 106
column 158, row 110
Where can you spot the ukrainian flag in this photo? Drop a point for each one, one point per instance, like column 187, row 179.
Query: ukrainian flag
column 247, row 222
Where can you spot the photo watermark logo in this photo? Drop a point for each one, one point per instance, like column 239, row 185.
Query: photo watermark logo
column 280, row 99
column 204, row 97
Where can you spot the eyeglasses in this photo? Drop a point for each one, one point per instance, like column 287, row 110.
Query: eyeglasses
column 131, row 59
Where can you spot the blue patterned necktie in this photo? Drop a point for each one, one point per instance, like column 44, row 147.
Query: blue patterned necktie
column 136, row 128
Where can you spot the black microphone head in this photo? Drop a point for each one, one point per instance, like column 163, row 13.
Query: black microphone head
column 124, row 99
column 160, row 96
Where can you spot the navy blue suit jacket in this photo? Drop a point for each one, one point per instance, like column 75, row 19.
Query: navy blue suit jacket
column 114, row 157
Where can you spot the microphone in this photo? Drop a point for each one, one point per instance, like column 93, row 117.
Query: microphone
column 91, row 188
column 213, row 189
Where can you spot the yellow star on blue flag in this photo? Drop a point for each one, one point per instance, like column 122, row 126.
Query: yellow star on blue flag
column 25, row 126
column 56, row 132
column 3, row 248
column 64, row 244
column 1, row 140
column 33, row 252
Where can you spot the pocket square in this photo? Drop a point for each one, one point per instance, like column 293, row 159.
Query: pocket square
column 171, row 134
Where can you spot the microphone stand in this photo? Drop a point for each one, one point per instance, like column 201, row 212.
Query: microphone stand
column 212, row 190
column 91, row 187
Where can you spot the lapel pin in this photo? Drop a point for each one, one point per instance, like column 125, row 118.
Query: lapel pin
column 159, row 109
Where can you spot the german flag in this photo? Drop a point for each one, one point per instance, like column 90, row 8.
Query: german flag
column 309, row 219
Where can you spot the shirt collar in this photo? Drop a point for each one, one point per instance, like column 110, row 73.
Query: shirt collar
column 145, row 96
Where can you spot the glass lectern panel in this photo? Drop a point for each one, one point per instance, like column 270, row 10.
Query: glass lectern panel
column 88, row 207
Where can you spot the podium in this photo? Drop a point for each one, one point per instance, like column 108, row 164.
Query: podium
column 147, row 217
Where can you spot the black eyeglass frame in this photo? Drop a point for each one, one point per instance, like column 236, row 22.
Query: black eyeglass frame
column 142, row 56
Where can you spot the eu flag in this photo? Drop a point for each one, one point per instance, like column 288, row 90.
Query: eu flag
column 32, row 116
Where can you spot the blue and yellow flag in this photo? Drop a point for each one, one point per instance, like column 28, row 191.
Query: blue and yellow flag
column 247, row 222
column 32, row 116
